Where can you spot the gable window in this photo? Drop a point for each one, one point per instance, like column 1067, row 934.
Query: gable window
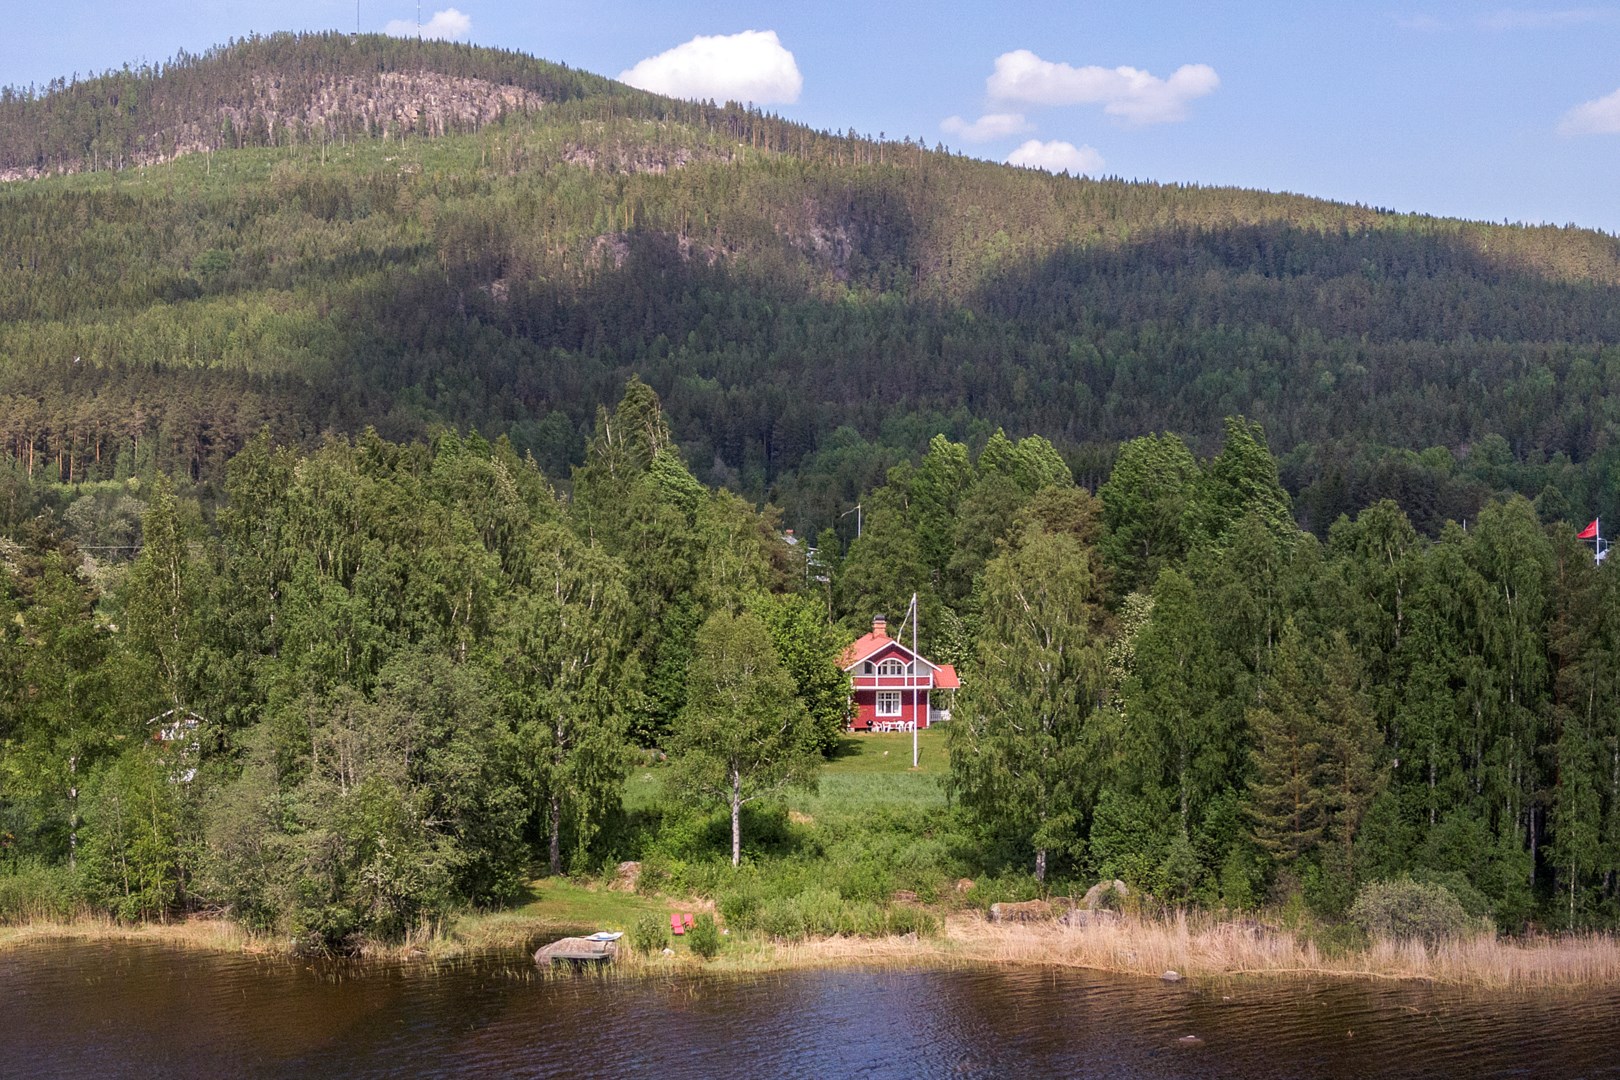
column 891, row 667
column 888, row 703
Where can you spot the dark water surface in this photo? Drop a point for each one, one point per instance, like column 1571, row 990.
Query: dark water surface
column 150, row 1011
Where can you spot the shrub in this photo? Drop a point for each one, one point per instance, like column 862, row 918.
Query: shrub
column 815, row 911
column 34, row 892
column 1476, row 903
column 1408, row 909
column 649, row 934
column 704, row 937
column 910, row 920
column 740, row 908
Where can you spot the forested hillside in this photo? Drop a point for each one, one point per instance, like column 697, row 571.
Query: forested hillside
column 812, row 307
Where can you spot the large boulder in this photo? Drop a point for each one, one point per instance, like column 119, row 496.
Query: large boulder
column 1026, row 912
column 626, row 877
column 1104, row 894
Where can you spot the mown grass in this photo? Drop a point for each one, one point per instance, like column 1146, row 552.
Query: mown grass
column 871, row 770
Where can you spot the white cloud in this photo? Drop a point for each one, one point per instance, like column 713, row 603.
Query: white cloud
column 987, row 127
column 750, row 66
column 1135, row 96
column 1600, row 116
column 446, row 25
column 1057, row 156
column 1543, row 20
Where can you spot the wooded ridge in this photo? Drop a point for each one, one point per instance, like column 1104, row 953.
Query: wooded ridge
column 811, row 306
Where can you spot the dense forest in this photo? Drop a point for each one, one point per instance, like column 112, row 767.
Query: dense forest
column 336, row 593
column 386, row 681
column 812, row 307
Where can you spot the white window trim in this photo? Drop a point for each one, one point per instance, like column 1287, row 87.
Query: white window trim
column 887, row 696
column 891, row 666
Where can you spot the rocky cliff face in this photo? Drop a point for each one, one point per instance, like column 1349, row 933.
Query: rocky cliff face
column 268, row 110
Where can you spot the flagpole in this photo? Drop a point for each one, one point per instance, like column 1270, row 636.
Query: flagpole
column 1594, row 533
column 915, row 660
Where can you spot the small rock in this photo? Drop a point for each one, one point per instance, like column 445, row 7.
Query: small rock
column 668, row 951
column 1171, row 976
column 964, row 885
column 1189, row 1040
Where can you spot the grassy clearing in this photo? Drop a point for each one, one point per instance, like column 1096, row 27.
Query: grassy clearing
column 868, row 770
column 556, row 907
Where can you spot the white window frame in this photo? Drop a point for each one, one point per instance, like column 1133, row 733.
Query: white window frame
column 891, row 666
column 885, row 697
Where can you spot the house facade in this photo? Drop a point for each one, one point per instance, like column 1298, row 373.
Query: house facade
column 893, row 687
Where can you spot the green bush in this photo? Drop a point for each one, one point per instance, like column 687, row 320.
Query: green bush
column 1476, row 903
column 34, row 892
column 704, row 937
column 815, row 911
column 904, row 919
column 1409, row 909
column 740, row 908
column 649, row 934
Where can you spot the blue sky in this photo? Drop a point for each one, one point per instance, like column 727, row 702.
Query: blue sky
column 1467, row 109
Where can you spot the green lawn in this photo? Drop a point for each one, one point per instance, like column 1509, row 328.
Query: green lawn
column 865, row 769
column 555, row 907
column 871, row 770
column 890, row 754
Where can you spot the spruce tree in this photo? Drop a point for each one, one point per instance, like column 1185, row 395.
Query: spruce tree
column 1288, row 793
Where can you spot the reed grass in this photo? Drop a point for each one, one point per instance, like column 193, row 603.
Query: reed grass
column 1196, row 945
column 1203, row 945
column 207, row 935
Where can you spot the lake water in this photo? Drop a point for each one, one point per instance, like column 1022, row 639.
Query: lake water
column 109, row 1010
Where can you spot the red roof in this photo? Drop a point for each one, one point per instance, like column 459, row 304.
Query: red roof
column 864, row 647
column 877, row 640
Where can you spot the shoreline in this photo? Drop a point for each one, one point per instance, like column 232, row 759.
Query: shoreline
column 1195, row 946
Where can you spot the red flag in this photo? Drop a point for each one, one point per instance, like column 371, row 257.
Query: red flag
column 1589, row 532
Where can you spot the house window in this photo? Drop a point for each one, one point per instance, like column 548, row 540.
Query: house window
column 888, row 703
column 891, row 667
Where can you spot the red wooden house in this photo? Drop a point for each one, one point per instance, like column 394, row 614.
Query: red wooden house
column 893, row 685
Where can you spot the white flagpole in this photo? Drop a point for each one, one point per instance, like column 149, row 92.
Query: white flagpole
column 915, row 662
